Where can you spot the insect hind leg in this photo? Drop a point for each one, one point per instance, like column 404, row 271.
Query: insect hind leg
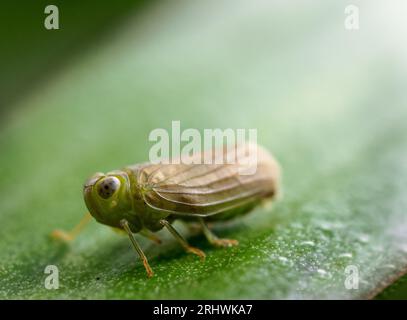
column 213, row 238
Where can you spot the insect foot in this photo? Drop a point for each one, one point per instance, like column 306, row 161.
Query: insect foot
column 61, row 235
column 68, row 236
column 196, row 251
column 225, row 242
column 149, row 271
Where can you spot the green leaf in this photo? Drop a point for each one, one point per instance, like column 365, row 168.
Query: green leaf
column 396, row 291
column 329, row 103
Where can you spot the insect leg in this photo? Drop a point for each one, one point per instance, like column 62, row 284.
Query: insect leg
column 137, row 247
column 213, row 239
column 182, row 241
column 71, row 235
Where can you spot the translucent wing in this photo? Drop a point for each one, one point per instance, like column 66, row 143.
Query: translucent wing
column 208, row 189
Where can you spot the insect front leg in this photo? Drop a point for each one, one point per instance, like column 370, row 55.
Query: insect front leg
column 188, row 248
column 68, row 236
column 125, row 225
column 213, row 239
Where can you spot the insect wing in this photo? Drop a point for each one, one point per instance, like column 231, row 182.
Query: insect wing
column 208, row 189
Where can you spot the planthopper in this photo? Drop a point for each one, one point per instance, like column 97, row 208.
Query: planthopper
column 216, row 185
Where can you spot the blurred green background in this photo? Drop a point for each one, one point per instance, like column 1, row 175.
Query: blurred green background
column 328, row 102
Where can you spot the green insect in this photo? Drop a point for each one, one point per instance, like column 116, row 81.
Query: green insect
column 144, row 198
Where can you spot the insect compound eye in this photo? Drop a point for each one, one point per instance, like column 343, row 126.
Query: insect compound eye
column 107, row 187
